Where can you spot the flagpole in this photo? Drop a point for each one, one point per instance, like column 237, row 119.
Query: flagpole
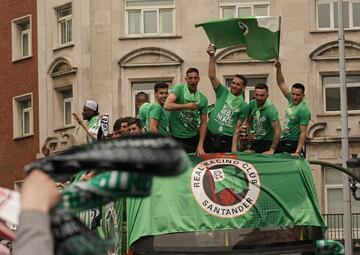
column 344, row 133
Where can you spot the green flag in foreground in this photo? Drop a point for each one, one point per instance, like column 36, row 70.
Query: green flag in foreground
column 260, row 35
column 103, row 188
column 329, row 247
column 228, row 191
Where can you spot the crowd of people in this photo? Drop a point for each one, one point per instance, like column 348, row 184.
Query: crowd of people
column 231, row 125
column 184, row 115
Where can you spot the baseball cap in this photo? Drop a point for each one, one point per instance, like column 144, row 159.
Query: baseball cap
column 92, row 105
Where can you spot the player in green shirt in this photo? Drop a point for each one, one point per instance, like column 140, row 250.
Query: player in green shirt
column 229, row 113
column 142, row 115
column 141, row 107
column 158, row 118
column 188, row 109
column 297, row 116
column 264, row 121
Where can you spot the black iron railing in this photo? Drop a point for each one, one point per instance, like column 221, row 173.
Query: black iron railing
column 335, row 226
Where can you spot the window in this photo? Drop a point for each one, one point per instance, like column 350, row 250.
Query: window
column 23, row 115
column 67, row 103
column 244, row 8
column 250, row 86
column 21, row 38
column 63, row 106
column 334, row 193
column 331, row 92
column 327, row 17
column 64, row 19
column 150, row 17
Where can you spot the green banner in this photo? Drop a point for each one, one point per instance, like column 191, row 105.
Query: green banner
column 228, row 191
column 260, row 35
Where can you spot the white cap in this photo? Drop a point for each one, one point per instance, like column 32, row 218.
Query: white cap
column 92, row 105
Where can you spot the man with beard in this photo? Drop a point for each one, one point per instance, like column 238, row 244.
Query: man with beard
column 90, row 114
column 297, row 116
column 229, row 113
column 158, row 117
column 188, row 108
column 264, row 121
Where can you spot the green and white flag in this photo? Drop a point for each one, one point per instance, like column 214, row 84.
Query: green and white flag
column 103, row 188
column 260, row 35
column 329, row 247
column 228, row 191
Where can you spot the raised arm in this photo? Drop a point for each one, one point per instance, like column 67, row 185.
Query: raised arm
column 38, row 195
column 281, row 80
column 171, row 105
column 211, row 69
column 82, row 124
column 277, row 133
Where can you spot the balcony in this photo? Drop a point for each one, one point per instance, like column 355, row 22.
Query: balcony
column 335, row 229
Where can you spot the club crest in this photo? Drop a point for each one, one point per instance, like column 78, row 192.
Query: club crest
column 225, row 187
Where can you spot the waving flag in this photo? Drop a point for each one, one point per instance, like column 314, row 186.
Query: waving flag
column 260, row 35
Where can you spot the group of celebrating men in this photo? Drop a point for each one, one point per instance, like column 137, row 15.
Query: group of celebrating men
column 183, row 114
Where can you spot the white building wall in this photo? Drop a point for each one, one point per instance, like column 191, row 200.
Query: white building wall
column 101, row 52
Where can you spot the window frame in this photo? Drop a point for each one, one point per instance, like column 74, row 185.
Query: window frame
column 23, row 120
column 337, row 186
column 332, row 18
column 144, row 9
column 25, row 32
column 19, row 112
column 59, row 102
column 325, row 86
column 65, row 20
column 17, row 37
column 244, row 4
column 150, row 92
column 65, row 101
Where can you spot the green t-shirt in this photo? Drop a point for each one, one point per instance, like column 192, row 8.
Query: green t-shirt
column 262, row 119
column 295, row 116
column 142, row 115
column 185, row 123
column 158, row 113
column 223, row 118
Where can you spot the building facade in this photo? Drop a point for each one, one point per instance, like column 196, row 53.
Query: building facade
column 111, row 49
column 19, row 94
